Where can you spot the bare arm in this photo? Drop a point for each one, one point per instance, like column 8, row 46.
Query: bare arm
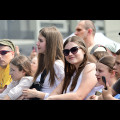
column 33, row 93
column 88, row 79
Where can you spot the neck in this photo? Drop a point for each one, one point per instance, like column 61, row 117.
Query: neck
column 112, row 82
column 90, row 42
column 3, row 67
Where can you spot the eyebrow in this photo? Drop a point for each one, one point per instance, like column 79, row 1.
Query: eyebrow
column 117, row 62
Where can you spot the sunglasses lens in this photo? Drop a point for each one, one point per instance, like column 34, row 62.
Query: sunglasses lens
column 74, row 50
column 66, row 52
column 3, row 52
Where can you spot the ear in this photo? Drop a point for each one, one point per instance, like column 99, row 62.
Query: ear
column 23, row 72
column 112, row 74
column 90, row 31
column 13, row 54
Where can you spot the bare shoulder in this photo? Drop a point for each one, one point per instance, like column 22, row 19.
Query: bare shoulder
column 90, row 67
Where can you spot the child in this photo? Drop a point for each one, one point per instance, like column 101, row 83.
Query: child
column 34, row 65
column 104, row 67
column 20, row 71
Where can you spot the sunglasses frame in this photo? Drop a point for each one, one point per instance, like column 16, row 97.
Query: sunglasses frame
column 6, row 51
column 70, row 50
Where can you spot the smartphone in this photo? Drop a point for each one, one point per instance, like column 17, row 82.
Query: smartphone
column 34, row 49
column 104, row 80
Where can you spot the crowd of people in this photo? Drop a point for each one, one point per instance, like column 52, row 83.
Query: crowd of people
column 74, row 69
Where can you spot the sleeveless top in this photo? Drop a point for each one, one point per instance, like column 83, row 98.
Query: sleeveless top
column 92, row 92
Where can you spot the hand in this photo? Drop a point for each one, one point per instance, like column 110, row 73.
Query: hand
column 107, row 94
column 92, row 97
column 29, row 93
column 21, row 98
column 17, row 50
column 49, row 98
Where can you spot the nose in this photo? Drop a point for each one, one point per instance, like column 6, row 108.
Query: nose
column 37, row 43
column 97, row 73
column 70, row 53
column 114, row 67
column 75, row 33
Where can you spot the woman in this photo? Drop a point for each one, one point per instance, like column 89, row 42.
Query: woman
column 104, row 67
column 80, row 79
column 50, row 60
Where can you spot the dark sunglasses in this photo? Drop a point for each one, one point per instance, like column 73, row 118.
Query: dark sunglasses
column 73, row 50
column 3, row 52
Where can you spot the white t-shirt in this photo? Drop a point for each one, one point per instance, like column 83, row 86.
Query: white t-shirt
column 15, row 88
column 59, row 71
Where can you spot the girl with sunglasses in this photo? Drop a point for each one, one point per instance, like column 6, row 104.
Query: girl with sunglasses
column 80, row 79
column 20, row 71
column 50, row 71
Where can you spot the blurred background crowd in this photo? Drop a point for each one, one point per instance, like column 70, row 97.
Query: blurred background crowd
column 24, row 32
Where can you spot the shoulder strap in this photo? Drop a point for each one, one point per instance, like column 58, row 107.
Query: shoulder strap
column 42, row 79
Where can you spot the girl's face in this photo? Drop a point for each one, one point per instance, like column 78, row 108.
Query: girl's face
column 77, row 58
column 15, row 73
column 41, row 44
column 102, row 70
column 117, row 66
column 34, row 64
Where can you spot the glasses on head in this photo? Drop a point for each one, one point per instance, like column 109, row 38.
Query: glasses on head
column 73, row 50
column 4, row 52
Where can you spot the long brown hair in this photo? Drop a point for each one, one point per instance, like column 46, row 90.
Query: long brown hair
column 54, row 47
column 69, row 68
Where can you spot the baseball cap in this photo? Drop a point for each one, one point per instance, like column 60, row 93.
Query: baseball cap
column 8, row 42
column 111, row 47
column 98, row 47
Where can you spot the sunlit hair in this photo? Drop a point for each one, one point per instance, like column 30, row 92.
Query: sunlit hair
column 54, row 47
column 69, row 68
column 108, row 61
column 22, row 63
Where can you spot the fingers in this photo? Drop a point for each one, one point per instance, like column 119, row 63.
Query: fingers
column 17, row 50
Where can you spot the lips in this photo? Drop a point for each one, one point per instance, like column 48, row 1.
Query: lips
column 71, row 58
column 98, row 79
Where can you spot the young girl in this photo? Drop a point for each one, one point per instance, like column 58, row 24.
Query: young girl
column 20, row 71
column 104, row 67
column 80, row 77
column 51, row 59
column 34, row 65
